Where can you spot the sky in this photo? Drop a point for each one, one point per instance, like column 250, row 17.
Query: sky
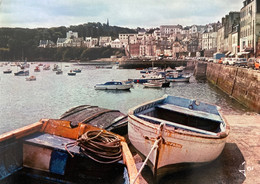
column 123, row 13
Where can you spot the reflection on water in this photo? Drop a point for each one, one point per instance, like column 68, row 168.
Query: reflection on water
column 24, row 102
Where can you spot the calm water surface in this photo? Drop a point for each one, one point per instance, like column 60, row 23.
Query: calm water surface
column 24, row 102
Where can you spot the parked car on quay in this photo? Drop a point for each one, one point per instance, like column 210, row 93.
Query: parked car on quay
column 251, row 63
column 234, row 61
column 241, row 62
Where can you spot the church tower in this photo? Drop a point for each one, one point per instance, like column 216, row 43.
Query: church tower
column 107, row 22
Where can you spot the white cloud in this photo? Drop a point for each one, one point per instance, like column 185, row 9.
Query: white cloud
column 128, row 13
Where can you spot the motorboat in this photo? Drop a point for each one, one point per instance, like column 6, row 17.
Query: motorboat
column 146, row 78
column 153, row 84
column 59, row 72
column 77, row 70
column 55, row 67
column 31, row 78
column 178, row 77
column 22, row 73
column 71, row 73
column 179, row 68
column 37, row 69
column 174, row 133
column 46, row 67
column 114, row 85
column 53, row 151
column 7, row 71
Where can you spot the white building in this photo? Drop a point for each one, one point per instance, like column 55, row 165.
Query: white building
column 116, row 44
column 71, row 34
column 209, row 40
column 167, row 30
column 104, row 41
column 90, row 42
column 197, row 29
column 61, row 42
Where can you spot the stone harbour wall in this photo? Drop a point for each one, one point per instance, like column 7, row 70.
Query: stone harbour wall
column 240, row 83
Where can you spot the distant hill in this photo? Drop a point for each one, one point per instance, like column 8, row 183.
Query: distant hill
column 18, row 42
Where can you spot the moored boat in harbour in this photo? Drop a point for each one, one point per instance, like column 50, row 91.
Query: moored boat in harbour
column 31, row 78
column 7, row 71
column 177, row 77
column 52, row 151
column 175, row 133
column 71, row 73
column 153, row 84
column 113, row 85
column 22, row 73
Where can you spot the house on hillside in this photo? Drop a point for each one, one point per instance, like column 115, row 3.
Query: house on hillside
column 46, row 44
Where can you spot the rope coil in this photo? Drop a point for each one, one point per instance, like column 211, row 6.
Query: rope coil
column 99, row 146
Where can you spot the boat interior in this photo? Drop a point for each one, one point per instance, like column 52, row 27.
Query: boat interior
column 183, row 118
column 37, row 154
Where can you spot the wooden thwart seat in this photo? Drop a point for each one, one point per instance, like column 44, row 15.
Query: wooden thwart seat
column 191, row 112
column 177, row 125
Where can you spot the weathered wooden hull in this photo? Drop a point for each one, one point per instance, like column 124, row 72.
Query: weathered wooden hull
column 36, row 154
column 177, row 145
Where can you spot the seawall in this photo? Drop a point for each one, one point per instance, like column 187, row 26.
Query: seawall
column 132, row 64
column 239, row 83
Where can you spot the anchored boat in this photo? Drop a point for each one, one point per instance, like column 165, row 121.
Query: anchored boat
column 54, row 151
column 174, row 132
column 114, row 85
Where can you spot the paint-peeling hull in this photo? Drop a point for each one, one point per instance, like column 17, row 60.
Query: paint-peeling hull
column 178, row 146
column 37, row 154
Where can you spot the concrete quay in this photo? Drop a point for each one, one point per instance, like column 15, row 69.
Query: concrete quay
column 239, row 162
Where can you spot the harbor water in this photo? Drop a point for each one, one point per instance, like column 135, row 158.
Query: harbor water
column 24, row 102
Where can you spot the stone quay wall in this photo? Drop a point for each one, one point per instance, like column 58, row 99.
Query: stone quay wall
column 240, row 83
column 132, row 64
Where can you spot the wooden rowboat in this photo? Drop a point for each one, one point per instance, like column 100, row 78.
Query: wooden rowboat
column 39, row 153
column 182, row 132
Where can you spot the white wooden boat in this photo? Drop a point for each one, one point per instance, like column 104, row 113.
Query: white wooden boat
column 188, row 133
column 177, row 77
column 31, row 78
column 115, row 85
column 153, row 84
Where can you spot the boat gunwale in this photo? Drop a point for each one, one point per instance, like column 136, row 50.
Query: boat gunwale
column 42, row 126
column 174, row 131
column 139, row 108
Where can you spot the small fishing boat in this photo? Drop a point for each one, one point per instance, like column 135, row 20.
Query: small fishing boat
column 55, row 67
column 31, row 78
column 153, row 84
column 7, row 71
column 71, row 73
column 59, row 72
column 22, row 73
column 77, row 70
column 146, row 78
column 52, row 151
column 37, row 69
column 178, row 77
column 46, row 67
column 114, row 85
column 174, row 133
column 179, row 68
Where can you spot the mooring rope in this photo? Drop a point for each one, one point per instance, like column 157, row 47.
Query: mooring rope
column 99, row 146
